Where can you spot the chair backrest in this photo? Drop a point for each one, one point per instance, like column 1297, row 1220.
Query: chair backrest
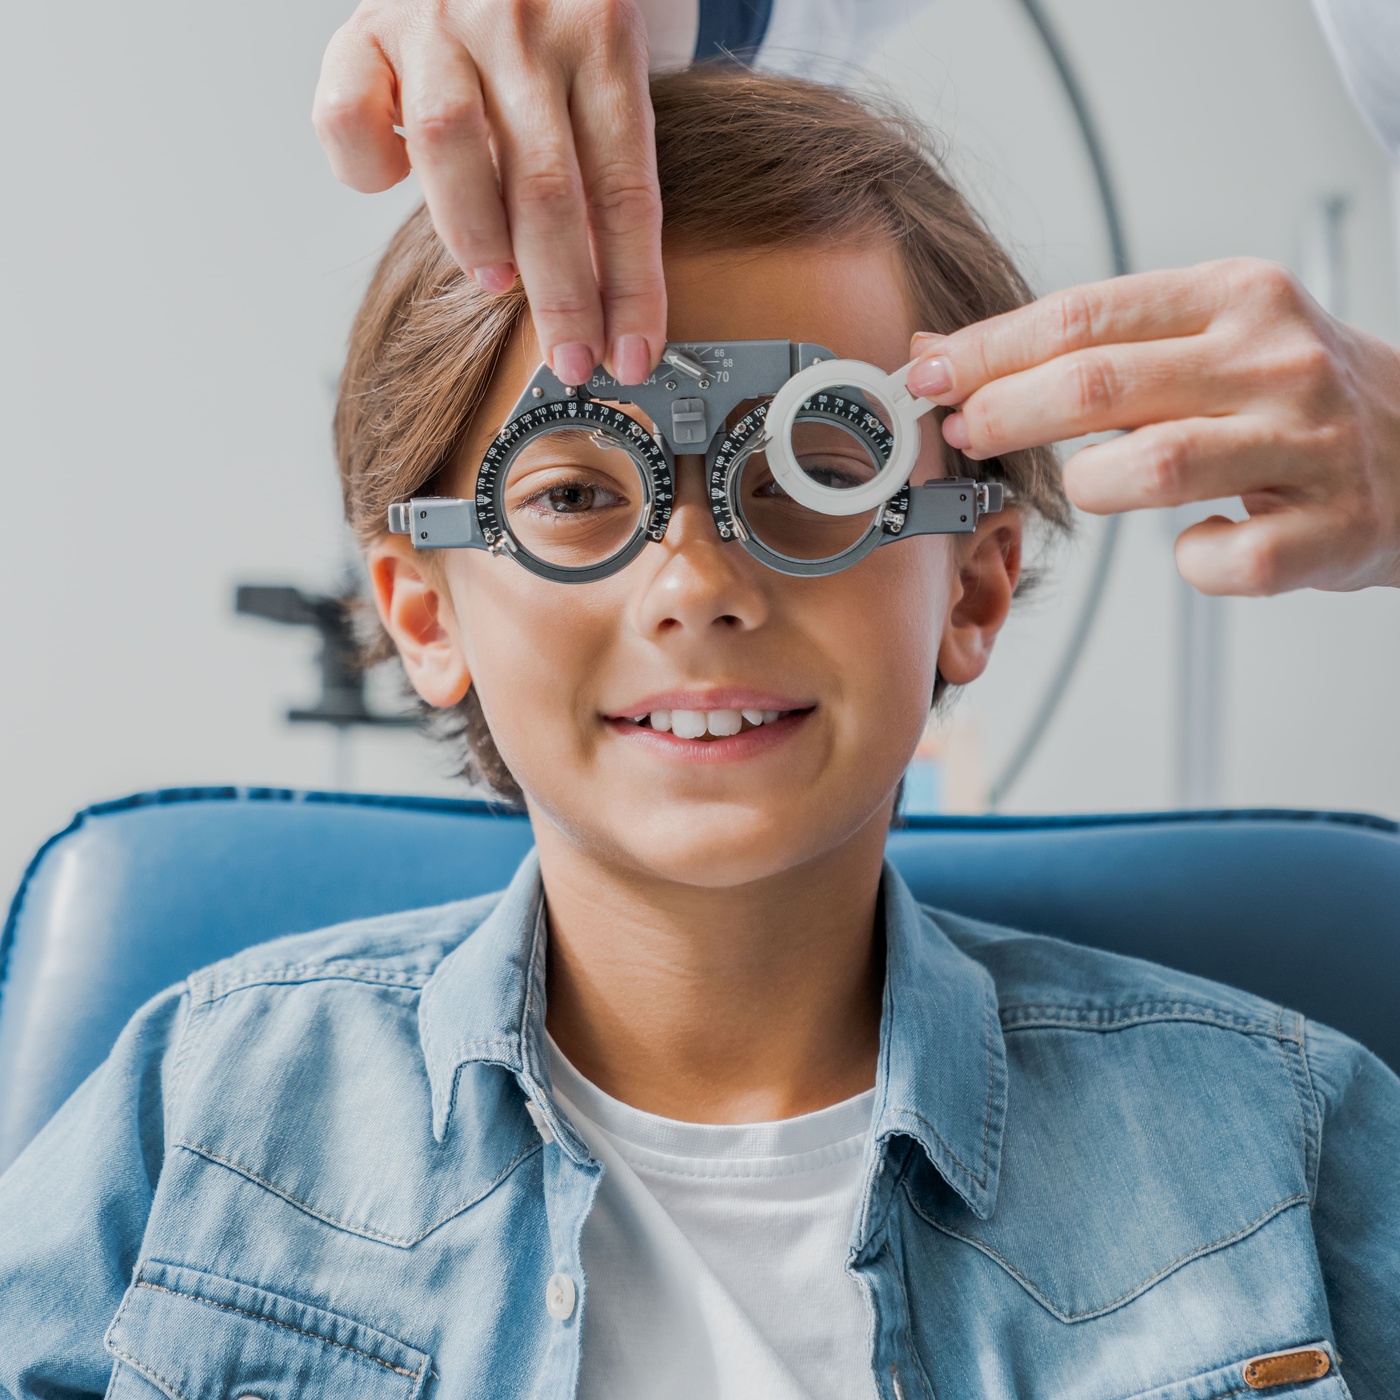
column 1301, row 907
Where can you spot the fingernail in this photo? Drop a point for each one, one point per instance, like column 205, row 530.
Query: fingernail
column 631, row 359
column 929, row 378
column 573, row 363
column 955, row 432
column 499, row 277
column 924, row 341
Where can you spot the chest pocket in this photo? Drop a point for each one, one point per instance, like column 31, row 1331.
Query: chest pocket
column 1288, row 1375
column 195, row 1336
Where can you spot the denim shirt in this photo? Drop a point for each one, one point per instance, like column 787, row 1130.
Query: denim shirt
column 332, row 1165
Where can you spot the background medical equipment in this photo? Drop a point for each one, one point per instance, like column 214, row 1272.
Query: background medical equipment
column 573, row 486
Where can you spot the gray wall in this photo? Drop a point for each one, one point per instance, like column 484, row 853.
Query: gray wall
column 180, row 269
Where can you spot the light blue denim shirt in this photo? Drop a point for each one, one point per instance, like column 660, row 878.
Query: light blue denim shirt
column 333, row 1166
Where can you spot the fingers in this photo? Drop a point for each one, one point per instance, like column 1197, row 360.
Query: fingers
column 448, row 133
column 1263, row 555
column 1092, row 391
column 354, row 112
column 613, row 130
column 544, row 198
column 530, row 128
column 1173, row 464
column 1143, row 306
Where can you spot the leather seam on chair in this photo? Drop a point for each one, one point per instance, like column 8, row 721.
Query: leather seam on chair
column 1031, row 1015
column 277, row 1322
column 292, row 973
column 12, row 916
column 367, row 1231
column 1214, row 1246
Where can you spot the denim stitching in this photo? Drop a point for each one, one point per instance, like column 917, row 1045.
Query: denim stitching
column 979, row 1181
column 882, row 1080
column 1315, row 1167
column 282, row 973
column 402, row 1242
column 276, row 1322
column 465, row 1051
column 1281, row 1044
column 1113, row 1017
column 993, row 1021
column 177, row 1065
column 146, row 1371
column 1133, row 1292
column 909, row 1335
column 1291, row 1051
column 523, row 1030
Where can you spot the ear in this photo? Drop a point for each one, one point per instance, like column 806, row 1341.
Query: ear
column 417, row 613
column 988, row 566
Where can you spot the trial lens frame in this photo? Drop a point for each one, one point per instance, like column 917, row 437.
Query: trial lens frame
column 689, row 397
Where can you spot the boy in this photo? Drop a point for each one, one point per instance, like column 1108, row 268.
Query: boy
column 703, row 1104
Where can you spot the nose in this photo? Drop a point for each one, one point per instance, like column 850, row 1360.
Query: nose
column 699, row 581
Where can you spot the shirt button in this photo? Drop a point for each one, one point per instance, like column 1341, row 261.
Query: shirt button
column 559, row 1296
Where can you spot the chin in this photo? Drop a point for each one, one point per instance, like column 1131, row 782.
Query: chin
column 726, row 845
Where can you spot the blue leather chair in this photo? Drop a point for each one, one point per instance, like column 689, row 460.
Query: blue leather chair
column 1301, row 907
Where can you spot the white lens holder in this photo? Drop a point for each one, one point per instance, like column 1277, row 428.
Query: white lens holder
column 830, row 377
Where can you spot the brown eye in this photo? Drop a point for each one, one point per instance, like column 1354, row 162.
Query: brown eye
column 573, row 496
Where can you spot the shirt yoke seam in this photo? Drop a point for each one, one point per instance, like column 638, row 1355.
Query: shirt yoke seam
column 368, row 1231
column 1039, row 1015
column 1242, row 1233
column 294, row 973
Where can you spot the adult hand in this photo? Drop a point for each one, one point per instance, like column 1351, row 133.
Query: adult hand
column 1231, row 381
column 530, row 127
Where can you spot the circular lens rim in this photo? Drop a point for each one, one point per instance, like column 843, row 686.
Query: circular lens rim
column 651, row 461
column 827, row 376
column 738, row 445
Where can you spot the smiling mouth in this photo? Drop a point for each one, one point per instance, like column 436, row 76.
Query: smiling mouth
column 708, row 724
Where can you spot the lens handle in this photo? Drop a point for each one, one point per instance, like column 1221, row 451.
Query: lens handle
column 805, row 390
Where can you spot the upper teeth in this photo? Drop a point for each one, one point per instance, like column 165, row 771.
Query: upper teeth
column 691, row 724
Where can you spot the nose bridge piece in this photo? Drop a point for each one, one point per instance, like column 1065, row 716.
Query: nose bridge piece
column 698, row 581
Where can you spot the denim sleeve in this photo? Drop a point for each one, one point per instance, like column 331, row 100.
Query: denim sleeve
column 74, row 1206
column 1356, row 1218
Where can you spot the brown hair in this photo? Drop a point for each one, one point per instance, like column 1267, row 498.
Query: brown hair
column 746, row 161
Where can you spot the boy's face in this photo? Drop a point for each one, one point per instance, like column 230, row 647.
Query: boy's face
column 694, row 623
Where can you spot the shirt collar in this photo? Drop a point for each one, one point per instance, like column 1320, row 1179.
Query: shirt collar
column 942, row 1072
column 941, row 1079
column 484, row 1004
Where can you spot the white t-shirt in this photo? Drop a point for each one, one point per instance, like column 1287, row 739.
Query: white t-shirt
column 714, row 1256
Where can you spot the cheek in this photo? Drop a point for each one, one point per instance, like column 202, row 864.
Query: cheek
column 884, row 635
column 531, row 646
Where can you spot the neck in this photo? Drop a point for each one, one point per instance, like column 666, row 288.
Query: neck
column 732, row 1005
